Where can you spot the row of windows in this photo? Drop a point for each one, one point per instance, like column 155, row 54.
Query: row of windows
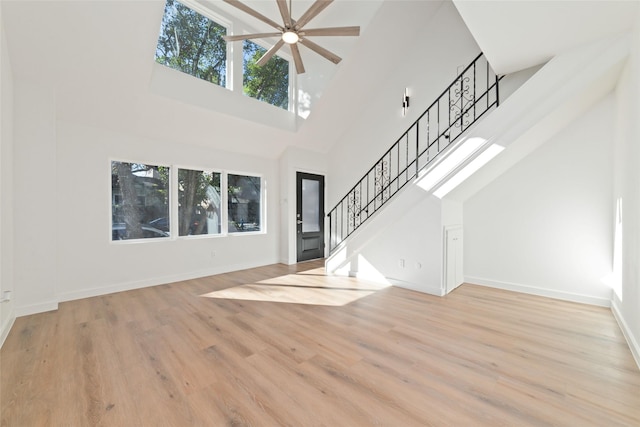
column 192, row 43
column 141, row 195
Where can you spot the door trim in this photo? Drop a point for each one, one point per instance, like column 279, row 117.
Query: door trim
column 321, row 234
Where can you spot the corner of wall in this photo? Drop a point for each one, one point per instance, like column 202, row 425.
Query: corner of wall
column 6, row 327
column 436, row 290
column 41, row 307
column 401, row 244
column 7, row 312
column 634, row 346
column 540, row 291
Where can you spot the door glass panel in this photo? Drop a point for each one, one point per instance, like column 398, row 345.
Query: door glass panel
column 310, row 206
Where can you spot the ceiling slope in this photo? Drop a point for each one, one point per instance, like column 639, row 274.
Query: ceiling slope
column 518, row 34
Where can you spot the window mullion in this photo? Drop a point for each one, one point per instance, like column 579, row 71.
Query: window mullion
column 224, row 214
column 173, row 202
column 236, row 66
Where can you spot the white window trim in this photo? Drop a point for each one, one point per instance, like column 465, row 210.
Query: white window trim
column 293, row 76
column 263, row 204
column 174, row 206
column 235, row 56
column 110, row 205
column 223, row 21
column 173, row 203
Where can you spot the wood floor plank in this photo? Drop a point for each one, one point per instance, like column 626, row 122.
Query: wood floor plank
column 289, row 346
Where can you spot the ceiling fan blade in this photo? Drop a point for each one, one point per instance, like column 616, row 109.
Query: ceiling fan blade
column 268, row 54
column 311, row 13
column 297, row 59
column 254, row 13
column 284, row 11
column 332, row 31
column 249, row 36
column 321, row 51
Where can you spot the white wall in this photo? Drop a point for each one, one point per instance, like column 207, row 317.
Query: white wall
column 407, row 249
column 89, row 264
column 181, row 87
column 7, row 313
column 544, row 226
column 426, row 63
column 62, row 206
column 626, row 296
column 35, row 192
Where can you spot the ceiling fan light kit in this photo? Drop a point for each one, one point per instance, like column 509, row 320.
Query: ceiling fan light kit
column 292, row 33
column 290, row 37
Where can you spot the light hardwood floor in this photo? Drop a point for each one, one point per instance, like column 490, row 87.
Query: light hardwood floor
column 225, row 350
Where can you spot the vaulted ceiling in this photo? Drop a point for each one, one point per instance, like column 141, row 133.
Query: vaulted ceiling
column 98, row 58
column 519, row 34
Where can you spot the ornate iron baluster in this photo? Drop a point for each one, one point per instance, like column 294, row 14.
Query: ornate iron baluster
column 382, row 181
column 460, row 102
column 353, row 208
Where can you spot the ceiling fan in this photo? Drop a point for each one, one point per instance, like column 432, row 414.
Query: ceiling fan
column 292, row 31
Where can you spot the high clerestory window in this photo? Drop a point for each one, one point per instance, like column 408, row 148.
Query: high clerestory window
column 269, row 83
column 193, row 43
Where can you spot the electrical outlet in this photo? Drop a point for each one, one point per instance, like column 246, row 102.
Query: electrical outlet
column 6, row 296
column 401, row 263
column 213, row 254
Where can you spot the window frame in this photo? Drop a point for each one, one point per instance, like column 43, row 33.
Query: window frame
column 173, row 203
column 223, row 21
column 263, row 204
column 234, row 61
column 293, row 79
column 223, row 203
column 111, row 198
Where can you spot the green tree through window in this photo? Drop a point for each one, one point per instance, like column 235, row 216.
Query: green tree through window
column 192, row 43
column 139, row 201
column 269, row 83
column 244, row 203
column 199, row 202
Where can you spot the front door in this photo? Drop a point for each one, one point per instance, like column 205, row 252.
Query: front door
column 309, row 216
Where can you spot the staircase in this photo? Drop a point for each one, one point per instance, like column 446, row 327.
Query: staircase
column 474, row 92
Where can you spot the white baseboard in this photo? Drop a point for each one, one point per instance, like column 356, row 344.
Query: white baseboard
column 156, row 281
column 128, row 286
column 420, row 287
column 36, row 308
column 534, row 290
column 626, row 331
column 6, row 328
column 386, row 281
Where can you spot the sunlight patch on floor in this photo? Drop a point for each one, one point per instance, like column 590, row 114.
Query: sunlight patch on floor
column 308, row 287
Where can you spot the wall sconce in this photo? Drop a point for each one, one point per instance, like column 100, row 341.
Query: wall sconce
column 405, row 102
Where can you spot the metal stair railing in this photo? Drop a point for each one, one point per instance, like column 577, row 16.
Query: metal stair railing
column 474, row 92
